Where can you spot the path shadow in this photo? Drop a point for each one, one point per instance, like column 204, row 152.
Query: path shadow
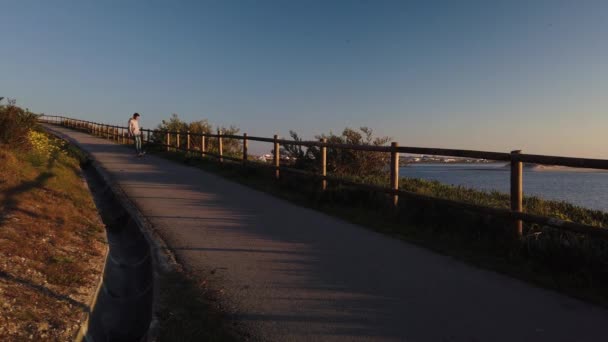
column 10, row 202
column 44, row 290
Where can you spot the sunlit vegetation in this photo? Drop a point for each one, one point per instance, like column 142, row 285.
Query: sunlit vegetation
column 51, row 239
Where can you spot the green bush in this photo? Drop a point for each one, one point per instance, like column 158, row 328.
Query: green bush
column 15, row 123
column 230, row 147
column 343, row 162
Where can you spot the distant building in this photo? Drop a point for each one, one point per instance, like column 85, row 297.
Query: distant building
column 266, row 157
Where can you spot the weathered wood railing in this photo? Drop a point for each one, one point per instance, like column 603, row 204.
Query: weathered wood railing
column 515, row 158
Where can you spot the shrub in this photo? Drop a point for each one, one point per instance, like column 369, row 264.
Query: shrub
column 175, row 124
column 362, row 165
column 15, row 123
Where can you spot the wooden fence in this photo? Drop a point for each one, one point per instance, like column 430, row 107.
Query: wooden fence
column 515, row 158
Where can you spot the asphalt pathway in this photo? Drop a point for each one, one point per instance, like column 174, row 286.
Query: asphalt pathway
column 293, row 274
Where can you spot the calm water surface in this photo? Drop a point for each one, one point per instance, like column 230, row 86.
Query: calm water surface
column 587, row 188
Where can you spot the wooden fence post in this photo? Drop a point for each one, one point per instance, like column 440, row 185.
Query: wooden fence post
column 517, row 190
column 245, row 148
column 203, row 145
column 188, row 142
column 177, row 141
column 324, row 165
column 220, row 145
column 277, row 158
column 395, row 173
column 148, row 137
column 168, row 140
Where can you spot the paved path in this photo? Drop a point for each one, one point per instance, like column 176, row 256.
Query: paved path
column 293, row 274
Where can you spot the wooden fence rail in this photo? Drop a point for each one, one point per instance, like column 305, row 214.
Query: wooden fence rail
column 516, row 159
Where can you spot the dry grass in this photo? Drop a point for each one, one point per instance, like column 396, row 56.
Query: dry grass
column 51, row 243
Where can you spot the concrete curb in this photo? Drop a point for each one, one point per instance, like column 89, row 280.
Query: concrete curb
column 163, row 260
column 84, row 327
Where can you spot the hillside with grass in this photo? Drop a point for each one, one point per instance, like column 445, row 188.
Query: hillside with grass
column 52, row 242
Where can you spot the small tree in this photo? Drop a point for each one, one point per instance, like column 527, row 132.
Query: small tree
column 231, row 147
column 344, row 162
column 175, row 124
column 303, row 158
column 199, row 127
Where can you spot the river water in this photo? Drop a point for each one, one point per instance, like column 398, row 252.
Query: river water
column 587, row 188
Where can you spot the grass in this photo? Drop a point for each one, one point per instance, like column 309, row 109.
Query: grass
column 51, row 240
column 574, row 264
column 532, row 204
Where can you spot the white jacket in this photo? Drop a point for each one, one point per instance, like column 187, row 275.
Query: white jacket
column 134, row 127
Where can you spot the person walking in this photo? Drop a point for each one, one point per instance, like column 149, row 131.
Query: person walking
column 135, row 133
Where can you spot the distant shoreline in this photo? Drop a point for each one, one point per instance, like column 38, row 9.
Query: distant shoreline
column 527, row 166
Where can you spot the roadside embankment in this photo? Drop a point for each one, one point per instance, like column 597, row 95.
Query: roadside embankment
column 52, row 241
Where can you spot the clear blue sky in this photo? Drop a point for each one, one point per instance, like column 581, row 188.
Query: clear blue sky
column 493, row 75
